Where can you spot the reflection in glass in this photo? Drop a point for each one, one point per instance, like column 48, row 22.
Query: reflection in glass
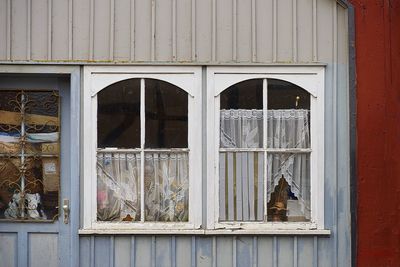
column 166, row 115
column 29, row 155
column 118, row 118
column 118, row 186
column 241, row 186
column 166, row 187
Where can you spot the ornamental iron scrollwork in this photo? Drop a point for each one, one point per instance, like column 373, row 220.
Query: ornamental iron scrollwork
column 29, row 155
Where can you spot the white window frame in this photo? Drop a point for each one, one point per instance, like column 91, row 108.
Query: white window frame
column 96, row 78
column 310, row 78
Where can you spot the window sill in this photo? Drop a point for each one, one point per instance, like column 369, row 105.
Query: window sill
column 314, row 232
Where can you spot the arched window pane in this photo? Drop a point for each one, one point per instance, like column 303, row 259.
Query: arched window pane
column 166, row 115
column 244, row 95
column 241, row 115
column 118, row 118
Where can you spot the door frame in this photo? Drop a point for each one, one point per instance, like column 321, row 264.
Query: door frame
column 74, row 73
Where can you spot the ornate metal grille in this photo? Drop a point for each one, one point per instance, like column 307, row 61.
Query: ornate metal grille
column 29, row 155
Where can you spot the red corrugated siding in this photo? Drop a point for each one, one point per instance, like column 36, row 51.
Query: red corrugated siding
column 378, row 131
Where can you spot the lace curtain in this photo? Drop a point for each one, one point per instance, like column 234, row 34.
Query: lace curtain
column 166, row 186
column 118, row 186
column 287, row 128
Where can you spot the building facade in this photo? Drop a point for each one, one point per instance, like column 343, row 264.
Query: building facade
column 176, row 133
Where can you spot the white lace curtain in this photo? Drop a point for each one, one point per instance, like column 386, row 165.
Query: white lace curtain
column 118, row 186
column 287, row 128
column 166, row 182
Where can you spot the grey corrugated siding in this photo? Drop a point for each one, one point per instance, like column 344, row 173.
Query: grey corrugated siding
column 198, row 31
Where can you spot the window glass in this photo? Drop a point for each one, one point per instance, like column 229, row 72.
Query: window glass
column 246, row 163
column 288, row 174
column 118, row 115
column 161, row 191
column 29, row 155
column 241, row 169
column 166, row 115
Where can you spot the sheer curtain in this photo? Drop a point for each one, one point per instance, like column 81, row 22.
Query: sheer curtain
column 118, row 186
column 241, row 128
column 166, row 186
column 287, row 128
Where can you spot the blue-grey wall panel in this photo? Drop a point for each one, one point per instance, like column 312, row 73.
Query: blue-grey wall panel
column 8, row 249
column 199, row 251
column 43, row 249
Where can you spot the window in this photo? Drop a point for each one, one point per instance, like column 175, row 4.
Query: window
column 143, row 149
column 265, row 143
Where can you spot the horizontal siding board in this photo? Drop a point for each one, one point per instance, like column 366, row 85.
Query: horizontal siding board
column 43, row 249
column 8, row 249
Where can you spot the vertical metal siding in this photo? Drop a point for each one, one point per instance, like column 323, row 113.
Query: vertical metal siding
column 162, row 31
column 203, row 251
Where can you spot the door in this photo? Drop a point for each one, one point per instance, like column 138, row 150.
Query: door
column 35, row 171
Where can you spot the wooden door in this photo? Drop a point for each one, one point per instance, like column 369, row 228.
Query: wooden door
column 35, row 171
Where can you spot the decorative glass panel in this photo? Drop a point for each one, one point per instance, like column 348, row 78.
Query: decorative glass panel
column 29, row 155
